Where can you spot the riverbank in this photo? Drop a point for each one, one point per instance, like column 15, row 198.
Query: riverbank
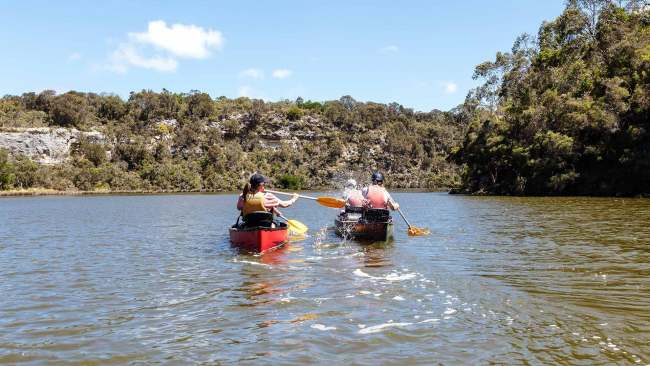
column 53, row 192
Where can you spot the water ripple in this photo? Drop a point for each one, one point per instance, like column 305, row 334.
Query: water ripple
column 153, row 279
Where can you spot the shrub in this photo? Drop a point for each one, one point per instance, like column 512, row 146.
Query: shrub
column 289, row 181
column 94, row 152
column 294, row 113
column 7, row 176
column 26, row 174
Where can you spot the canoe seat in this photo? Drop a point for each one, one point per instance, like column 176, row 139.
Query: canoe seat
column 258, row 219
column 353, row 209
column 376, row 215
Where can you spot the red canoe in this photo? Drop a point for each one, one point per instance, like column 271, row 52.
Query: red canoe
column 259, row 239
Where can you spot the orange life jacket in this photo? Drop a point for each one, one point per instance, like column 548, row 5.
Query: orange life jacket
column 254, row 203
column 355, row 199
column 376, row 196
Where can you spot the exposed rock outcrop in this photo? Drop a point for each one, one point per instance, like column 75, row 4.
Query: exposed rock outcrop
column 44, row 145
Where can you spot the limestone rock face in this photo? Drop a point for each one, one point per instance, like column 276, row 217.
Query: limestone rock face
column 44, row 145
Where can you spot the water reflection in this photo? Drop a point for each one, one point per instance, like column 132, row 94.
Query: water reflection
column 376, row 254
column 503, row 281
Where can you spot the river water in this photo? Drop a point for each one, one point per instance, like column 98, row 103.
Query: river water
column 153, row 280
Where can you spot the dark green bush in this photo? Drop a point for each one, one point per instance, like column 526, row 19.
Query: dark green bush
column 7, row 175
column 289, row 181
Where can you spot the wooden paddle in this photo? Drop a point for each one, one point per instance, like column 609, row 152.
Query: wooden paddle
column 332, row 202
column 414, row 231
column 294, row 225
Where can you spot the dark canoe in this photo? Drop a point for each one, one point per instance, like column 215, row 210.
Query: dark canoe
column 365, row 225
column 260, row 234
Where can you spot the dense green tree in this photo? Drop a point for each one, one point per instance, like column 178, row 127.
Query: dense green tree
column 567, row 113
column 69, row 109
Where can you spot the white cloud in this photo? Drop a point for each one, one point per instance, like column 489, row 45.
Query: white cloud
column 160, row 46
column 389, row 49
column 189, row 41
column 74, row 56
column 450, row 87
column 252, row 73
column 126, row 55
column 281, row 73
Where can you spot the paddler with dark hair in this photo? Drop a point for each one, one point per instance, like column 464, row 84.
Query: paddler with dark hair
column 377, row 196
column 254, row 199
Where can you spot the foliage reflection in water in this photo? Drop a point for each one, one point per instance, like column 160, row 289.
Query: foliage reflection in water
column 153, row 279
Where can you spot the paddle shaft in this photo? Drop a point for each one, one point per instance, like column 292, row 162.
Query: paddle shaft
column 404, row 217
column 277, row 212
column 291, row 194
column 297, row 226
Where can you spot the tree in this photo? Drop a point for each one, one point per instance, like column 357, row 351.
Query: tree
column 567, row 116
column 111, row 107
column 69, row 109
column 199, row 105
column 7, row 171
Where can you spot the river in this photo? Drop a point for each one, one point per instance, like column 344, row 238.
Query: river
column 153, row 280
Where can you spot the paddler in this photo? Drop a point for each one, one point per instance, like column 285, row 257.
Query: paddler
column 352, row 195
column 377, row 196
column 254, row 199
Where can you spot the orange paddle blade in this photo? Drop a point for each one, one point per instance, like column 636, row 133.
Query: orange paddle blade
column 418, row 231
column 331, row 202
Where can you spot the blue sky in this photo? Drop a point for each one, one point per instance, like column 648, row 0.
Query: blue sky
column 418, row 53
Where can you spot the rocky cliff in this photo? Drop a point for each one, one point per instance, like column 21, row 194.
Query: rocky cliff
column 44, row 145
column 192, row 142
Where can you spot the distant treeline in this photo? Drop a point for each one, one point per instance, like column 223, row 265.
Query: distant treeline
column 191, row 142
column 566, row 112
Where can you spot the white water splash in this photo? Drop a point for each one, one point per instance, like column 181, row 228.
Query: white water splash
column 450, row 311
column 432, row 320
column 322, row 327
column 360, row 273
column 251, row 262
column 390, row 277
column 398, row 277
column 381, row 327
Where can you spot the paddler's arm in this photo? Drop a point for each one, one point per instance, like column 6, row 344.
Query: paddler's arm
column 270, row 201
column 290, row 202
column 392, row 204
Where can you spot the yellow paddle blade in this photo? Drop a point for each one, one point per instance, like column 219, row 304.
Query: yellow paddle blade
column 297, row 227
column 331, row 202
column 418, row 231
